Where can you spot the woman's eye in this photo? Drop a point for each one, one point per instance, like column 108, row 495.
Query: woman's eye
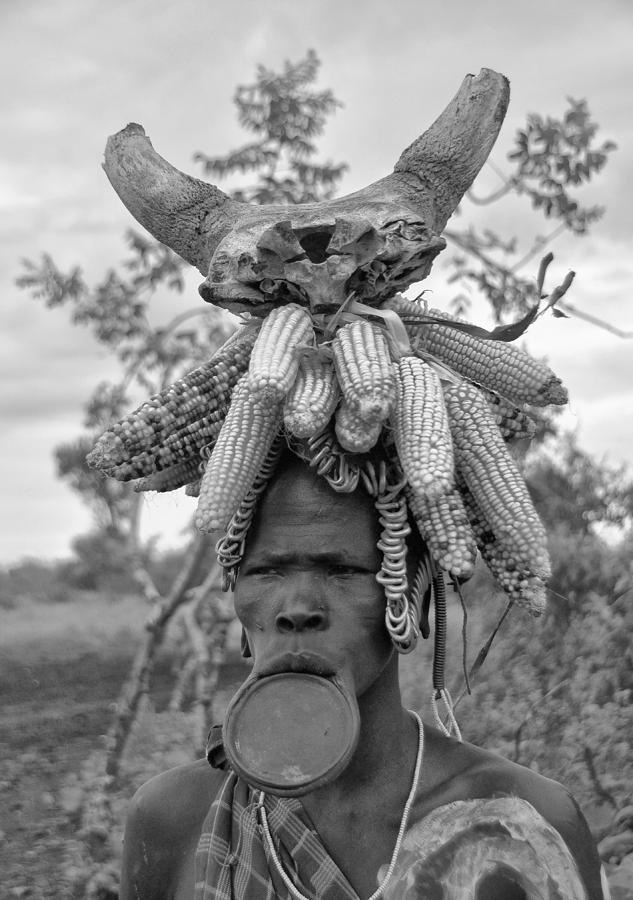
column 340, row 571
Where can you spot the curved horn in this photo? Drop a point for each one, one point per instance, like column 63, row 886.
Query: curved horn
column 187, row 214
column 448, row 156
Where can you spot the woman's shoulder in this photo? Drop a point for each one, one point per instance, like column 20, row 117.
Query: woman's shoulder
column 464, row 772
column 163, row 825
column 474, row 772
column 180, row 795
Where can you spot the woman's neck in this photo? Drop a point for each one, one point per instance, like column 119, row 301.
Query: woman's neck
column 386, row 749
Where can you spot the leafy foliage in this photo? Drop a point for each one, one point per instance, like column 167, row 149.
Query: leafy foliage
column 553, row 154
column 117, row 313
column 555, row 695
column 551, row 157
column 108, row 499
column 558, row 692
column 35, row 581
column 286, row 114
column 569, row 486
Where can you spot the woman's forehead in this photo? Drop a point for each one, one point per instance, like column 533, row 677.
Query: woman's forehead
column 299, row 506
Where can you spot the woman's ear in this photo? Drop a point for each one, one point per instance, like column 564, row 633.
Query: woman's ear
column 245, row 647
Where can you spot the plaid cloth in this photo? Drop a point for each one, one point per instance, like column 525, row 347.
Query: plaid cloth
column 233, row 860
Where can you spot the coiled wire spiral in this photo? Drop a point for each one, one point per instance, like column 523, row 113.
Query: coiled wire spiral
column 230, row 548
column 440, row 691
column 400, row 616
column 324, row 453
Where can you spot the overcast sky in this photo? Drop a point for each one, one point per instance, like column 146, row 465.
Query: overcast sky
column 74, row 71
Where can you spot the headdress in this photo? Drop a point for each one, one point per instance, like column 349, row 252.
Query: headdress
column 331, row 357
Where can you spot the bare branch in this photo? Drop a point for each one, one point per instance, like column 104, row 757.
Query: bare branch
column 137, row 684
column 600, row 323
column 185, row 675
column 537, row 247
column 138, row 569
column 491, row 198
column 598, row 787
column 526, row 718
column 178, row 592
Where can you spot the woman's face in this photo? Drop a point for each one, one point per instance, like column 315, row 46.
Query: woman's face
column 306, row 594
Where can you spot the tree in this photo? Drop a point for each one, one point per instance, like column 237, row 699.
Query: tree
column 285, row 113
column 569, row 486
column 550, row 159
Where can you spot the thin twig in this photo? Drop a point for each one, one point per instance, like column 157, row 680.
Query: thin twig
column 537, row 247
column 137, row 684
column 458, row 590
column 496, row 195
column 568, row 308
column 598, row 787
column 186, row 673
column 528, row 715
column 139, row 571
column 483, row 653
column 509, row 184
column 171, row 326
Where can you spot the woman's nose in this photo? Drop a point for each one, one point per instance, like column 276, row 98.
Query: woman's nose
column 299, row 619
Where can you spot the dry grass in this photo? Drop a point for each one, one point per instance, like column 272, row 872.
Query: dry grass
column 92, row 622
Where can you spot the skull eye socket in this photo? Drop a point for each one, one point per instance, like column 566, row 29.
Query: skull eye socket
column 315, row 244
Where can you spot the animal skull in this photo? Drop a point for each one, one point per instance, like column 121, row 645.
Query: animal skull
column 371, row 243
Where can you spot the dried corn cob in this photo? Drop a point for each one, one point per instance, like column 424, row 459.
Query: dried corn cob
column 193, row 488
column 513, row 422
column 444, row 526
column 171, row 479
column 312, row 398
column 526, row 589
column 494, row 364
column 183, row 444
column 364, row 369
column 274, row 360
column 178, row 410
column 246, row 436
column 420, row 429
column 492, row 477
column 356, row 434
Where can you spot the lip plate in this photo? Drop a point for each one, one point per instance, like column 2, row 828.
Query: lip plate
column 291, row 732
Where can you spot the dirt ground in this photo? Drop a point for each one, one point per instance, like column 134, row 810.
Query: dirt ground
column 55, row 713
column 56, row 704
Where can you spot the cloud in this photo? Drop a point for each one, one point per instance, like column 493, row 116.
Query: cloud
column 77, row 70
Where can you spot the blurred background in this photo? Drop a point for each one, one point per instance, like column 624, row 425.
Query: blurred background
column 96, row 316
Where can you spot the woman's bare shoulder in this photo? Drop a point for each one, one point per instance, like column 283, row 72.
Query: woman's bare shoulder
column 179, row 797
column 467, row 772
column 162, row 829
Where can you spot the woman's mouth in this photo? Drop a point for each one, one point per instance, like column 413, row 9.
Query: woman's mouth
column 297, row 661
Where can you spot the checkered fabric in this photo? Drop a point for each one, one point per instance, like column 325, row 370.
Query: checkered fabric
column 233, row 862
